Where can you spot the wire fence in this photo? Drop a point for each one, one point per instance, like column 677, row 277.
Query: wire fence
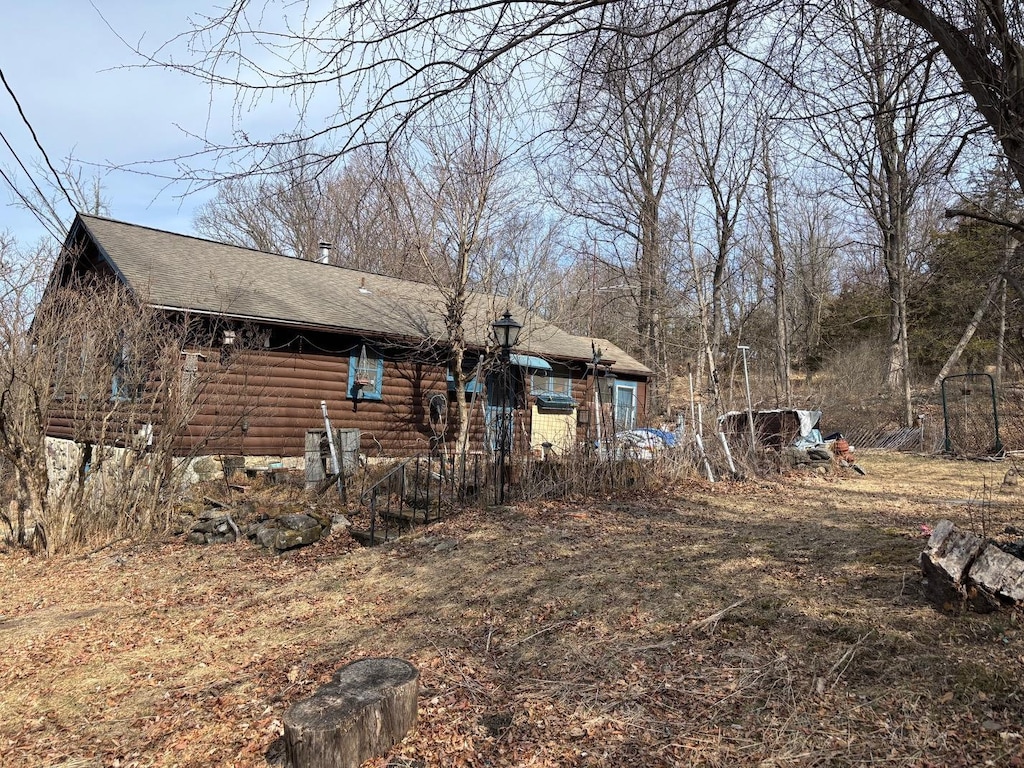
column 963, row 420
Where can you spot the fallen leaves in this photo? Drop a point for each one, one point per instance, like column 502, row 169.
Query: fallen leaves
column 744, row 624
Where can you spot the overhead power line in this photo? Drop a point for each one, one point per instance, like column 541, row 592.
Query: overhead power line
column 43, row 201
column 35, row 138
column 28, row 204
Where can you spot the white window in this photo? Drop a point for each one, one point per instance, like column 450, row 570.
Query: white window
column 625, row 405
column 547, row 383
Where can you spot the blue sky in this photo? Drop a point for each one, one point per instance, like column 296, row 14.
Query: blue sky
column 75, row 80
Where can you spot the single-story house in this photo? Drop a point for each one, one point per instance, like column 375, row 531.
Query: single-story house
column 292, row 334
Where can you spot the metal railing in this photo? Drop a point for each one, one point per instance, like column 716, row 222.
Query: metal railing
column 424, row 489
column 421, row 490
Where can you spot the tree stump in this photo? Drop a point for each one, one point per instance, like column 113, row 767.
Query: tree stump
column 366, row 709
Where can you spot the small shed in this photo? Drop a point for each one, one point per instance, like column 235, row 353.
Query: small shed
column 775, row 428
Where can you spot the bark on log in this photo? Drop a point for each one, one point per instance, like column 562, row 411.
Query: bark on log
column 945, row 562
column 963, row 569
column 999, row 572
column 367, row 708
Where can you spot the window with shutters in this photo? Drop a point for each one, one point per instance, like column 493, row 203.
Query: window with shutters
column 365, row 375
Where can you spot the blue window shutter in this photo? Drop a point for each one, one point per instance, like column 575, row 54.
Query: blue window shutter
column 471, row 383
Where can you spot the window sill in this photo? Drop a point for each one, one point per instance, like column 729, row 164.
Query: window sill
column 366, row 396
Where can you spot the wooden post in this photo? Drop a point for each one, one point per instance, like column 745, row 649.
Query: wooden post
column 314, row 465
column 366, row 709
column 336, row 466
column 728, row 454
column 704, row 455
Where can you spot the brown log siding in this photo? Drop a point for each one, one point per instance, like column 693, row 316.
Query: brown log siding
column 276, row 396
column 262, row 402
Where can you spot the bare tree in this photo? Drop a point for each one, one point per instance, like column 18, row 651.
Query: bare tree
column 811, row 237
column 458, row 203
column 52, row 190
column 87, row 359
column 621, row 150
column 723, row 139
column 23, row 397
column 883, row 124
column 984, row 42
column 968, row 268
column 778, row 275
column 363, row 72
column 385, row 65
column 355, row 206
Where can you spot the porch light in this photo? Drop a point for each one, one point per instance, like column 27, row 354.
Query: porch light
column 506, row 331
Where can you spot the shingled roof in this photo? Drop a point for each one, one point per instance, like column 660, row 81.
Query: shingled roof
column 180, row 272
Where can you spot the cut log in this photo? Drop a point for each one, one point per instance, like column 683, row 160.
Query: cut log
column 999, row 572
column 963, row 570
column 945, row 563
column 366, row 709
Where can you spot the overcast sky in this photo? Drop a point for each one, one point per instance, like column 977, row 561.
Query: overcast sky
column 74, row 79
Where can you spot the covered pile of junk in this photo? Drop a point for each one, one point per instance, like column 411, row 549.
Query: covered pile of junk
column 795, row 433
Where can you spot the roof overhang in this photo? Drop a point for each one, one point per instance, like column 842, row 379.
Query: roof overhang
column 531, row 361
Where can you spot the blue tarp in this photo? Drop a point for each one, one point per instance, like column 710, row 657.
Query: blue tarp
column 668, row 438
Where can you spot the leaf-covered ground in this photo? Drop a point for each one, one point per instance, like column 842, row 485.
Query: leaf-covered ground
column 763, row 623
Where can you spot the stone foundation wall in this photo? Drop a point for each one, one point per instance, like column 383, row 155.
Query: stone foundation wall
column 204, row 468
column 63, row 458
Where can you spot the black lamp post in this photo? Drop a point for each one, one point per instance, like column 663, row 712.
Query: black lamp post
column 506, row 334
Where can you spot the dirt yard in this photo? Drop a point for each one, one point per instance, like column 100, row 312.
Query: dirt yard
column 763, row 623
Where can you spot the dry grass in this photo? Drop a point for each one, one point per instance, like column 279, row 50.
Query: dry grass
column 757, row 623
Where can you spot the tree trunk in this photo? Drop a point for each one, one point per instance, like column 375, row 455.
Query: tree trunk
column 895, row 198
column 968, row 333
column 365, row 710
column 944, row 563
column 455, row 321
column 36, row 486
column 707, row 352
column 965, row 569
column 648, row 327
column 972, row 327
column 782, row 363
column 894, row 254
